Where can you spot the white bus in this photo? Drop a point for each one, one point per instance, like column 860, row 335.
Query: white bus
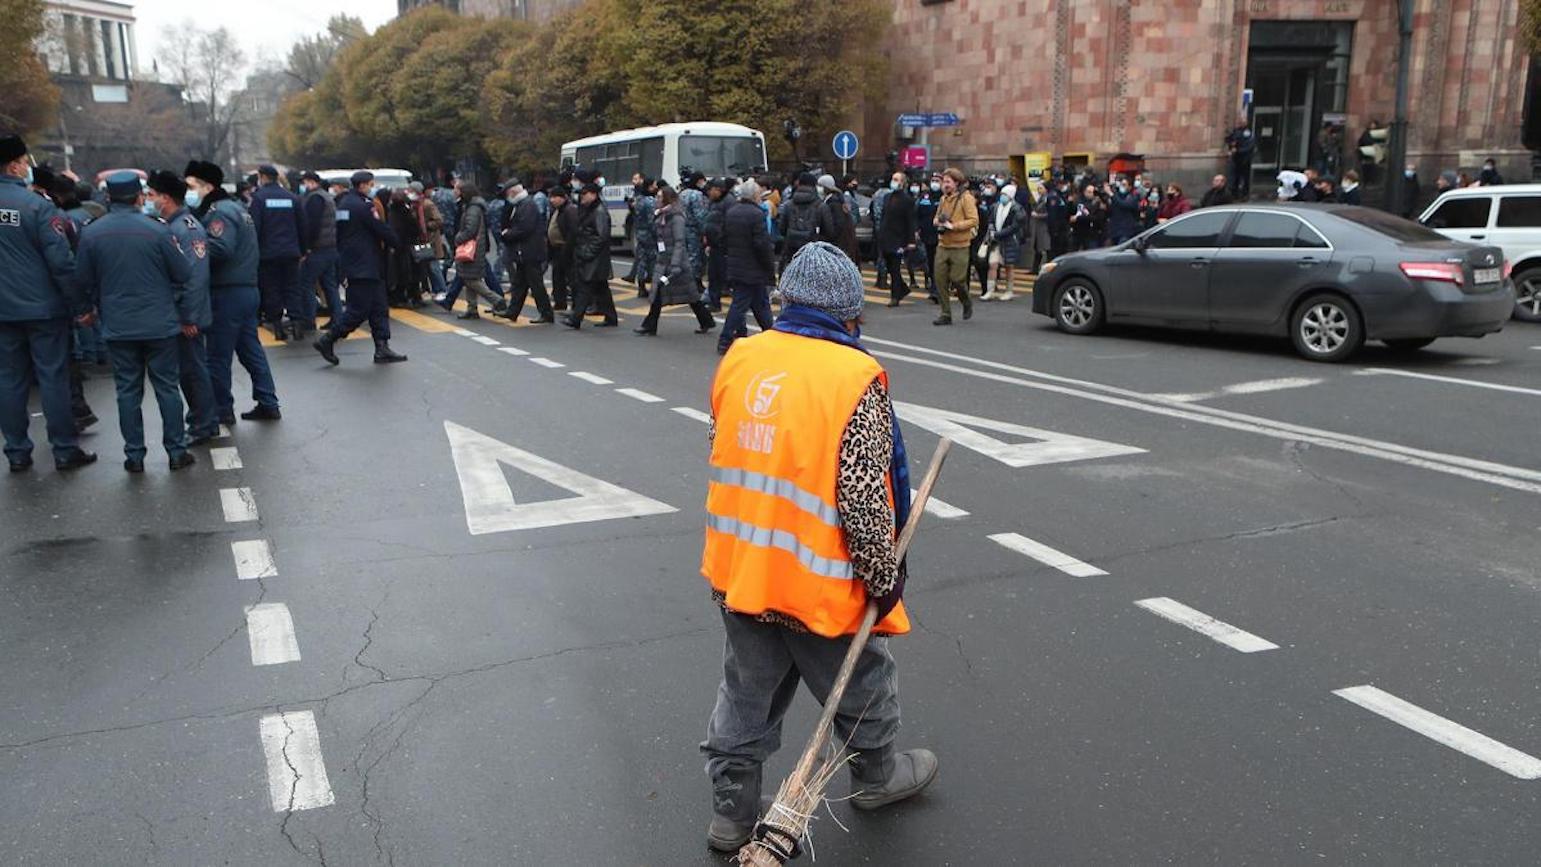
column 663, row 152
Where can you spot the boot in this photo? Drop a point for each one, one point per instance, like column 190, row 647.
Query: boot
column 323, row 345
column 470, row 314
column 385, row 355
column 885, row 776
column 735, row 808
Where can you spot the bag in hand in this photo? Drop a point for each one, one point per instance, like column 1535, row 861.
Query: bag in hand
column 466, row 252
column 422, row 252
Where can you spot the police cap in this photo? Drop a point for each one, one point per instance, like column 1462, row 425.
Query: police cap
column 123, row 186
column 267, row 170
column 169, row 185
column 209, row 173
column 12, row 148
column 362, row 177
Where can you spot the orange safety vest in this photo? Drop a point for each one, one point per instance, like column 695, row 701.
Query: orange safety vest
column 773, row 535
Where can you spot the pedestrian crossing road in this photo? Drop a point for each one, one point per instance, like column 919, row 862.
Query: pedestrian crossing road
column 1181, row 599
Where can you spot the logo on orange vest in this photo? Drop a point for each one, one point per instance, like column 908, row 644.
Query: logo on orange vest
column 760, row 396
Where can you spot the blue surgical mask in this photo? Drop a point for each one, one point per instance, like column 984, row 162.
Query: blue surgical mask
column 914, row 191
column 149, row 209
column 936, row 186
column 893, row 185
column 1409, row 172
column 193, row 198
column 28, row 178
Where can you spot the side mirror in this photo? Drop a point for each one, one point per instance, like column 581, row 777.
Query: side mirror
column 1140, row 245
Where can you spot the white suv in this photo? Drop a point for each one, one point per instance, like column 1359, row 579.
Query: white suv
column 1507, row 217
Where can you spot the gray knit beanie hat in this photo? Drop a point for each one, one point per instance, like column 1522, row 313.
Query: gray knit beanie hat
column 823, row 277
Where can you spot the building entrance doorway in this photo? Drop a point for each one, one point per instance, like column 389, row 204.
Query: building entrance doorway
column 1298, row 73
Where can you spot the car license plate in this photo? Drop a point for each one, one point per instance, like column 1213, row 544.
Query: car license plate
column 1487, row 275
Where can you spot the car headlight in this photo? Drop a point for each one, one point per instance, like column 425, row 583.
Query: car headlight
column 1046, row 267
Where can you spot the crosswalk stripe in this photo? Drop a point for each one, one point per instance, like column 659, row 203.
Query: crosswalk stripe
column 1046, row 555
column 1203, row 624
column 296, row 772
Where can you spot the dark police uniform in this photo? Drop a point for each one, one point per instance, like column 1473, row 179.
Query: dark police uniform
column 280, row 223
column 192, row 352
column 37, row 299
column 233, row 297
column 359, row 236
column 129, row 264
column 321, row 260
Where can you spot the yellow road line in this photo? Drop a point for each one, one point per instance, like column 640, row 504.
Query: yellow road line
column 421, row 321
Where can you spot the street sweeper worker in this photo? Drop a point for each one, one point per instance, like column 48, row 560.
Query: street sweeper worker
column 808, row 486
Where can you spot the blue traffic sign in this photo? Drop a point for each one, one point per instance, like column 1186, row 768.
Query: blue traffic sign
column 912, row 120
column 932, row 118
column 845, row 144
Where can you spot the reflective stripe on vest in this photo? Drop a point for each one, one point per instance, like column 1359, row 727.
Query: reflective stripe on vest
column 764, row 537
column 784, row 488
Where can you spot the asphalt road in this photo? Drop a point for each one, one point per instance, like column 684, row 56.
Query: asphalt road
column 1209, row 604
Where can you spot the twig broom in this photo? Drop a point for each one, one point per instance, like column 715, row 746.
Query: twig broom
column 778, row 837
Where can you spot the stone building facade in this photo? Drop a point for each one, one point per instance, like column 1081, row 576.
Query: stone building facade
column 519, row 10
column 1167, row 78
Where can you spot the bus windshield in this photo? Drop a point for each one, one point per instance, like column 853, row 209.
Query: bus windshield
column 719, row 156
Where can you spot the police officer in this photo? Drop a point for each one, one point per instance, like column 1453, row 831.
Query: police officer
column 232, row 293
column 38, row 296
column 320, row 263
column 280, row 224
column 360, row 235
column 129, row 265
column 166, row 198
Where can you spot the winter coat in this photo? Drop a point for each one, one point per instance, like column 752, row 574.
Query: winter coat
column 746, row 243
column 524, row 233
column 1088, row 217
column 837, row 226
column 1008, row 238
column 591, row 244
column 432, row 221
column 962, row 211
column 1352, row 197
column 802, row 208
column 1215, row 196
column 925, row 212
column 1175, row 206
column 360, row 235
column 473, row 224
column 129, row 267
column 897, row 228
column 1123, row 216
column 669, row 228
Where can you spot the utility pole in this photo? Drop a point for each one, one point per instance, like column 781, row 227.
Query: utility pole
column 1396, row 190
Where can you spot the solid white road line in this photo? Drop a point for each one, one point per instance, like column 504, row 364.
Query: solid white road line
column 939, row 509
column 590, row 377
column 225, row 458
column 1260, row 386
column 1489, row 472
column 486, row 341
column 296, row 772
column 1385, row 371
column 253, row 559
column 517, row 353
column 546, row 362
column 1046, row 555
column 271, row 632
column 637, row 394
column 692, row 412
column 1435, row 727
column 239, row 504
column 1198, row 621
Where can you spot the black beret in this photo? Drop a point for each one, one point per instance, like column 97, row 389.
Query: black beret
column 209, row 173
column 362, row 177
column 12, row 148
column 168, row 184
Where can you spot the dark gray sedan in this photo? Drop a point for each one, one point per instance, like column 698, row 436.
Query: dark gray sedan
column 1328, row 276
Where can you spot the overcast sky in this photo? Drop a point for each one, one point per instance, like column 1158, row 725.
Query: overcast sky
column 264, row 29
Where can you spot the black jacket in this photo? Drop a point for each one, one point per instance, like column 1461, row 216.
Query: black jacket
column 524, row 232
column 360, row 235
column 746, row 244
column 591, row 243
column 898, row 228
column 1215, row 196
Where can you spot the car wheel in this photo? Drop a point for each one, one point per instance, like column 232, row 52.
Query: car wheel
column 1527, row 295
column 1078, row 308
column 1408, row 344
column 1326, row 328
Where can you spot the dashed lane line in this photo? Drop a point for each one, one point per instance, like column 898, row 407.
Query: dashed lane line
column 546, row 362
column 639, row 394
column 1203, row 624
column 594, row 378
column 225, row 458
column 1452, row 380
column 238, row 504
column 1436, row 728
column 940, row 509
column 270, row 629
column 296, row 772
column 253, row 559
column 1046, row 555
column 464, row 332
column 514, row 351
column 692, row 412
column 487, row 341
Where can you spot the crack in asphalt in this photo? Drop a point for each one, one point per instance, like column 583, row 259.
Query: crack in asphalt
column 1296, row 450
column 152, row 857
column 956, row 640
column 294, row 785
column 435, row 678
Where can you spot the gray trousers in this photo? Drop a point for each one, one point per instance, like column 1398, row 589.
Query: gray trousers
column 761, row 666
column 477, row 287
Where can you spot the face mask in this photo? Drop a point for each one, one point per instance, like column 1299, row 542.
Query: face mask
column 193, row 198
column 1409, row 173
column 149, row 209
column 936, row 186
column 28, row 178
column 893, row 185
column 600, row 180
column 914, row 191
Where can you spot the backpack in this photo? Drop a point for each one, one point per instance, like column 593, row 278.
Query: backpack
column 802, row 223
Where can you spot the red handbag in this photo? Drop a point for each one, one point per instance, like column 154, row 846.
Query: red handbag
column 466, row 252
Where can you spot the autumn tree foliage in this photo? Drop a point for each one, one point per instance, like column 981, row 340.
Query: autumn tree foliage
column 28, row 100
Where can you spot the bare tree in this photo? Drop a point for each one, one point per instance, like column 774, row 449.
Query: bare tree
column 211, row 69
